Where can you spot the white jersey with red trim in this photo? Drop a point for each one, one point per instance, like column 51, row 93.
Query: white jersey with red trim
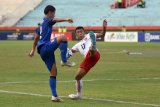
column 84, row 45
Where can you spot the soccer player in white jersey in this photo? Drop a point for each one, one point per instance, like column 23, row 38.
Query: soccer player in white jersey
column 87, row 47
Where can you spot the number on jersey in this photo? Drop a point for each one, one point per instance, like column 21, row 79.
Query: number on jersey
column 83, row 46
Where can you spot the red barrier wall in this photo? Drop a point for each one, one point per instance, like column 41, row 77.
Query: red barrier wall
column 67, row 34
column 112, row 28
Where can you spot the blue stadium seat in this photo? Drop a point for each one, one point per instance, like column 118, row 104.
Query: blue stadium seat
column 92, row 13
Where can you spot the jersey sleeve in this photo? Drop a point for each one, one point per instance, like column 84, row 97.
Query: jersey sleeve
column 75, row 48
column 51, row 22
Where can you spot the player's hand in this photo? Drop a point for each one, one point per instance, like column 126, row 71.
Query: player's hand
column 70, row 20
column 31, row 53
column 105, row 22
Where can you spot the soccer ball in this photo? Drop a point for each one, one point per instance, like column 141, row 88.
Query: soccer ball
column 69, row 53
column 68, row 63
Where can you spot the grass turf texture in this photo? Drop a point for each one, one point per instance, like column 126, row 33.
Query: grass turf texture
column 125, row 72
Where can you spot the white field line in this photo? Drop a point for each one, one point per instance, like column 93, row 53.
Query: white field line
column 85, row 98
column 90, row 80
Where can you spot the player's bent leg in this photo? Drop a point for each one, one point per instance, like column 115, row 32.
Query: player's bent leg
column 61, row 42
column 52, row 82
column 93, row 40
column 63, row 45
column 92, row 51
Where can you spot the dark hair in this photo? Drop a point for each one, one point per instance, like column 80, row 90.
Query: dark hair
column 79, row 27
column 49, row 8
column 39, row 24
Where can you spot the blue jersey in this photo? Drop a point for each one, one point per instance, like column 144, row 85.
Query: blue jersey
column 46, row 48
column 45, row 31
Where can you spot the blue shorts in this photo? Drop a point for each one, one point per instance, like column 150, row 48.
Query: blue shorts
column 46, row 52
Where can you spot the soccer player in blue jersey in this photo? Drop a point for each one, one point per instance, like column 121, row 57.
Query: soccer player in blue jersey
column 46, row 48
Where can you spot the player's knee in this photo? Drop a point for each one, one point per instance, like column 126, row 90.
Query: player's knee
column 53, row 72
column 62, row 38
column 77, row 77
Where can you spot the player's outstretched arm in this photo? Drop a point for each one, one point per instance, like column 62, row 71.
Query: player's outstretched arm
column 74, row 49
column 69, row 20
column 102, row 34
column 36, row 38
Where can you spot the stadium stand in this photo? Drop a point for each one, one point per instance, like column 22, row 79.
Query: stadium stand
column 13, row 10
column 92, row 12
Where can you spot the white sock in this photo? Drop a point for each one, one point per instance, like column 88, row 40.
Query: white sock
column 79, row 87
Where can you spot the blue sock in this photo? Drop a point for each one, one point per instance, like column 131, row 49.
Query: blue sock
column 52, row 82
column 63, row 48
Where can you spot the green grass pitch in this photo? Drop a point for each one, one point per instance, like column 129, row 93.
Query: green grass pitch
column 118, row 80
